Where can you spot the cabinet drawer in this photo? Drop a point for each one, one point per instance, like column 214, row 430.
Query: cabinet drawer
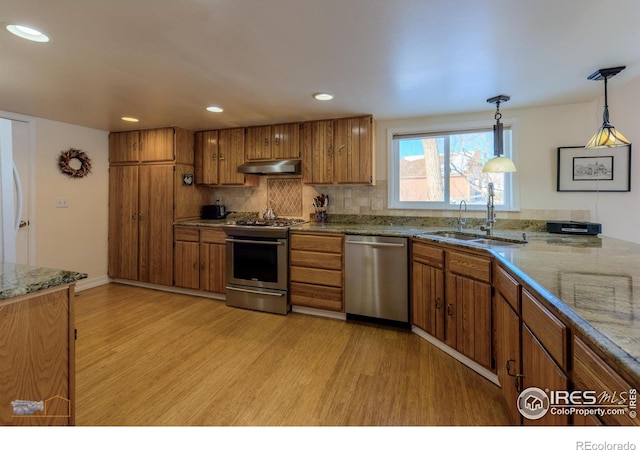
column 322, row 297
column 187, row 234
column 508, row 287
column 316, row 243
column 428, row 254
column 471, row 266
column 590, row 372
column 548, row 329
column 212, row 236
column 332, row 261
column 321, row 277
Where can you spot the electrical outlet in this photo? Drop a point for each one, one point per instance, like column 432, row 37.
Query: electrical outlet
column 62, row 203
column 376, row 204
column 347, row 203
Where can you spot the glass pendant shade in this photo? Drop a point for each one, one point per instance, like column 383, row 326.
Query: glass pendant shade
column 499, row 164
column 607, row 136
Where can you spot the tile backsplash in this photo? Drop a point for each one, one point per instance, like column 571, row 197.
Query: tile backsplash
column 293, row 199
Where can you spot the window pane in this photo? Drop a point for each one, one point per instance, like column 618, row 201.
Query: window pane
column 421, row 170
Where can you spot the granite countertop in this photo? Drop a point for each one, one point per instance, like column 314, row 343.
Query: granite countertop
column 592, row 282
column 19, row 279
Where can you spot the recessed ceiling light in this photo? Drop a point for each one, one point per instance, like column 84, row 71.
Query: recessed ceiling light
column 323, row 96
column 214, row 108
column 27, row 33
column 130, row 119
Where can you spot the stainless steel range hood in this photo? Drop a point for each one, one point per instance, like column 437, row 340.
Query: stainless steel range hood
column 281, row 167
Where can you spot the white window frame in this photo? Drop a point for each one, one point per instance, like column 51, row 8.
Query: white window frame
column 511, row 179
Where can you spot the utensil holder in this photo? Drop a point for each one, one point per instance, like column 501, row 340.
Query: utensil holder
column 321, row 215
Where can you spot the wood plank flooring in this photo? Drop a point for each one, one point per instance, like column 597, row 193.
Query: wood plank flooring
column 146, row 357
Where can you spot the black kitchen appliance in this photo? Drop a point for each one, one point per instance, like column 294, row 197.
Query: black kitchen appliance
column 213, row 212
column 589, row 228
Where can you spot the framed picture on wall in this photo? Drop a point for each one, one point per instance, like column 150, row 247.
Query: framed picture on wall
column 605, row 169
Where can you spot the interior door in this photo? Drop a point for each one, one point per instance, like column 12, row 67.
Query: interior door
column 21, row 158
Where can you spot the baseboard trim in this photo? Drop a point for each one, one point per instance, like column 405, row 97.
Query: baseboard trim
column 177, row 290
column 458, row 356
column 89, row 283
column 318, row 312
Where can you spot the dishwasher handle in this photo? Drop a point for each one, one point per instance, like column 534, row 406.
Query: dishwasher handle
column 375, row 244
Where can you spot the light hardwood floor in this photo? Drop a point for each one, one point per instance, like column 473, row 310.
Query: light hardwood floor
column 146, row 357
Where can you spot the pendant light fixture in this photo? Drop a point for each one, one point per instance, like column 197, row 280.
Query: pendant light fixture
column 499, row 163
column 607, row 135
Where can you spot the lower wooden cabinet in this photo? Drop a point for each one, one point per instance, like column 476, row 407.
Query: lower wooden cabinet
column 507, row 353
column 316, row 270
column 427, row 299
column 37, row 350
column 199, row 257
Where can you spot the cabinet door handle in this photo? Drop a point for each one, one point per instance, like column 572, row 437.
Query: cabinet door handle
column 141, row 216
column 438, row 305
column 202, row 265
column 195, row 265
column 450, row 309
column 134, row 216
column 221, row 156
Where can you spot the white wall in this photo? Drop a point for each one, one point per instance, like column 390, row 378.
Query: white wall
column 73, row 238
column 541, row 131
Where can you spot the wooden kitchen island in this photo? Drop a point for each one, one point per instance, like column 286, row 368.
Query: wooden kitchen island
column 37, row 345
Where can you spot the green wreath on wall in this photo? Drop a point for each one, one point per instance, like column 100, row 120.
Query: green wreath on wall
column 67, row 156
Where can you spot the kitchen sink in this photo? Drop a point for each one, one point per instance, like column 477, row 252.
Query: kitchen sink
column 478, row 238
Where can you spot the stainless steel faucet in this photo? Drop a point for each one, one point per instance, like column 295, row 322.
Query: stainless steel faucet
column 491, row 212
column 462, row 222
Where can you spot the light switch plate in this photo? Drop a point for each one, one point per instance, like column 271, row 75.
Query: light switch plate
column 62, row 203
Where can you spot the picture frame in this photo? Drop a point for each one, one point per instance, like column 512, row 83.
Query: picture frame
column 606, row 169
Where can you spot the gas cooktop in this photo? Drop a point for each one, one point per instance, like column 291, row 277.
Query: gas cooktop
column 280, row 222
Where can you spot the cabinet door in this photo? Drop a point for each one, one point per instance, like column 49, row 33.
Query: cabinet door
column 542, row 372
column 212, row 266
column 258, row 143
column 468, row 318
column 206, row 157
column 157, row 145
column 428, row 299
column 318, row 152
column 354, row 150
column 507, row 341
column 230, row 156
column 123, row 222
column 285, row 141
column 155, row 218
column 38, row 357
column 123, row 147
column 187, row 264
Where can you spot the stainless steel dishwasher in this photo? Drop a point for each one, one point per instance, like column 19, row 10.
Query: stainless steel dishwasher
column 376, row 278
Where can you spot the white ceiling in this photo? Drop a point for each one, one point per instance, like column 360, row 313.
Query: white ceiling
column 164, row 61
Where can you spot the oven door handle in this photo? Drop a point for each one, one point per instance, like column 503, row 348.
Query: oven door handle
column 246, row 241
column 275, row 294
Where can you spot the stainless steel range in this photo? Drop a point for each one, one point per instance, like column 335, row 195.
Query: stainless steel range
column 258, row 264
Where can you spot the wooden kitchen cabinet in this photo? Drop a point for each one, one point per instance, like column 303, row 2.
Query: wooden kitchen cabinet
column 507, row 353
column 468, row 306
column 154, row 145
column 592, row 373
column 200, row 259
column 218, row 153
column 340, row 151
column 317, row 152
column 145, row 197
column 451, row 299
column 273, row 142
column 354, row 150
column 140, row 223
column 427, row 293
column 316, row 275
column 37, row 344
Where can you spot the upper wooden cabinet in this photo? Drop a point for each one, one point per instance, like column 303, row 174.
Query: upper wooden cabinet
column 155, row 145
column 339, row 151
column 354, row 152
column 218, row 153
column 273, row 142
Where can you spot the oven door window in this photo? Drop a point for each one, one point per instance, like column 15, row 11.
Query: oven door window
column 255, row 262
